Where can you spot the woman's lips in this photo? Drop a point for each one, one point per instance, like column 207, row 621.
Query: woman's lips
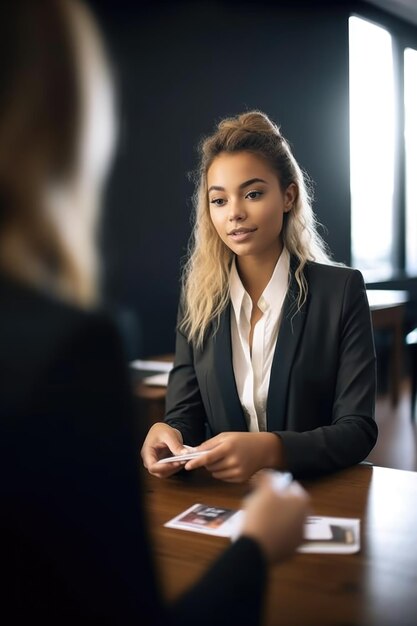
column 241, row 234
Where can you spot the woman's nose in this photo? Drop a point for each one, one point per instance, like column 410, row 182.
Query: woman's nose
column 237, row 212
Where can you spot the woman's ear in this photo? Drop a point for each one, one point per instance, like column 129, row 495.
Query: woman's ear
column 290, row 196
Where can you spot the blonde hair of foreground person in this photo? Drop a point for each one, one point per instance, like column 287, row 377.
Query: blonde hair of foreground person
column 57, row 131
column 206, row 271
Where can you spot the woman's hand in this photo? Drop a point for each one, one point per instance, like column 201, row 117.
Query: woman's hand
column 236, row 456
column 161, row 441
column 275, row 520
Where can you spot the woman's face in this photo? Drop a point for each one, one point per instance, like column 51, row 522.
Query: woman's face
column 247, row 204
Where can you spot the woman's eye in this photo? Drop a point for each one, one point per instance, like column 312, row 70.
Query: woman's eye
column 217, row 201
column 253, row 195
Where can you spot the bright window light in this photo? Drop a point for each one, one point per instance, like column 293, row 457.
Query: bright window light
column 410, row 107
column 372, row 147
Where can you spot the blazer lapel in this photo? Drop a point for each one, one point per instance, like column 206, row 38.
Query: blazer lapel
column 223, row 364
column 291, row 328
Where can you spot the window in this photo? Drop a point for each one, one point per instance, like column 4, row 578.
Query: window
column 410, row 136
column 372, row 147
column 383, row 147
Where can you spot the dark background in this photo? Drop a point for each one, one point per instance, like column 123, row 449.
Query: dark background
column 180, row 67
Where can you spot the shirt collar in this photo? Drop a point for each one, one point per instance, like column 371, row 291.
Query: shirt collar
column 237, row 290
column 274, row 292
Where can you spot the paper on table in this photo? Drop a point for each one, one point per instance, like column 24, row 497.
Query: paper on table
column 316, row 528
column 207, row 519
column 329, row 535
column 345, row 537
column 155, row 366
column 144, row 369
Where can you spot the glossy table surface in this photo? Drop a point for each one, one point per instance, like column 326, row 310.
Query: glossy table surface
column 377, row 586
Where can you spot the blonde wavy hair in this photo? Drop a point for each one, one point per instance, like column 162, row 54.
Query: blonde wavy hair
column 205, row 276
column 48, row 208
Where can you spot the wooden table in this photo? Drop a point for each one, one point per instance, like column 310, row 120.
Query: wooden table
column 387, row 311
column 376, row 587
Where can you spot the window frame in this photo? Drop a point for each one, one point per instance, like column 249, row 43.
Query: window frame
column 404, row 35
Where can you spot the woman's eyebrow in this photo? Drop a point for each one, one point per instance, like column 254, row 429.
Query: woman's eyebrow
column 215, row 188
column 251, row 181
column 247, row 183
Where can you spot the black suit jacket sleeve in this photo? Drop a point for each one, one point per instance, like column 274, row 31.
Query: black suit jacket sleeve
column 81, row 554
column 184, row 405
column 232, row 590
column 352, row 432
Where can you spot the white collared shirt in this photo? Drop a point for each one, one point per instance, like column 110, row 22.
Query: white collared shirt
column 252, row 372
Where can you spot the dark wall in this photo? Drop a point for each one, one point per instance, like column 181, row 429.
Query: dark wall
column 181, row 66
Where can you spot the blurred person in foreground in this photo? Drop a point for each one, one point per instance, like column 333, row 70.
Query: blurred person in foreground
column 74, row 543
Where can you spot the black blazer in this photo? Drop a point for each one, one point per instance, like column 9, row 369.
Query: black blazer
column 321, row 398
column 74, row 545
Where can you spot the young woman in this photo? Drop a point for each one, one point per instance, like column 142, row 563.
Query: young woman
column 74, row 543
column 275, row 361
